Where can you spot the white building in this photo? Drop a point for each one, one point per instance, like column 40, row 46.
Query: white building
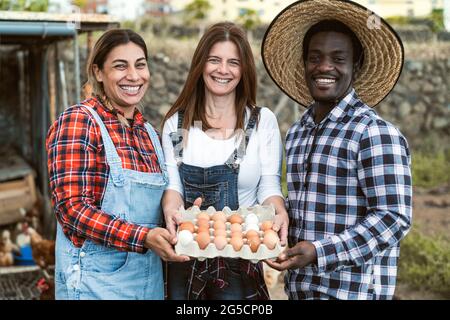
column 126, row 9
column 231, row 9
column 268, row 9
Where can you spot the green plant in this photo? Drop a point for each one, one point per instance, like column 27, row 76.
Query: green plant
column 431, row 169
column 437, row 18
column 425, row 263
column 23, row 5
column 196, row 11
column 249, row 19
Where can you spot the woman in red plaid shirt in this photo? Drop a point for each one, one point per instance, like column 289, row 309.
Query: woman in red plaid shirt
column 107, row 175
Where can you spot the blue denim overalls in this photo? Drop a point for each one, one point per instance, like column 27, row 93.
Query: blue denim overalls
column 218, row 187
column 98, row 272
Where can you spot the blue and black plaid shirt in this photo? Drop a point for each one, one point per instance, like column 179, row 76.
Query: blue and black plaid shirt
column 350, row 194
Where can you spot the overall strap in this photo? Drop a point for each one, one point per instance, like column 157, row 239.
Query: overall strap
column 158, row 149
column 112, row 157
column 239, row 153
column 177, row 139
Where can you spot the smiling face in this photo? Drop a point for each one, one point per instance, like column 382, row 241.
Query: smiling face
column 329, row 66
column 222, row 71
column 125, row 76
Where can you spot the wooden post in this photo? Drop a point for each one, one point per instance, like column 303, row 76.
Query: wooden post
column 52, row 83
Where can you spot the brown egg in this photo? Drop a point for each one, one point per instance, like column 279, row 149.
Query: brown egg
column 203, row 216
column 236, row 234
column 219, row 225
column 203, row 239
column 187, row 225
column 220, row 242
column 220, row 232
column 270, row 239
column 219, row 216
column 251, row 234
column 236, row 227
column 235, row 218
column 236, row 242
column 266, row 225
column 254, row 243
column 203, row 229
column 203, row 223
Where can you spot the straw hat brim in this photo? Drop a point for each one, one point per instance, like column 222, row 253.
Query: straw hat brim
column 283, row 42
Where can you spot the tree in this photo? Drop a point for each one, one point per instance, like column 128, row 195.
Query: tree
column 24, row 5
column 249, row 19
column 80, row 3
column 196, row 12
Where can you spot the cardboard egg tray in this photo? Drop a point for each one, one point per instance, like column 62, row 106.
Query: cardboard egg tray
column 192, row 249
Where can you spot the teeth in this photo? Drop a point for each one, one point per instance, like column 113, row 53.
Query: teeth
column 222, row 81
column 130, row 88
column 325, row 80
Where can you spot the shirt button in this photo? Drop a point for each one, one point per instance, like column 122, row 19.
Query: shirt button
column 82, row 254
column 76, row 267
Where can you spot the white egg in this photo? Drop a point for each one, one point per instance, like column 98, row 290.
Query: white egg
column 251, row 226
column 185, row 237
column 251, row 218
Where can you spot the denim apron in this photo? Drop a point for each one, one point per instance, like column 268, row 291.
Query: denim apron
column 218, row 187
column 95, row 271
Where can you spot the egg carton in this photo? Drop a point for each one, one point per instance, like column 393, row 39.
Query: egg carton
column 264, row 213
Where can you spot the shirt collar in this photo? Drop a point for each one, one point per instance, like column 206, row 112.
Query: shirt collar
column 345, row 107
column 105, row 113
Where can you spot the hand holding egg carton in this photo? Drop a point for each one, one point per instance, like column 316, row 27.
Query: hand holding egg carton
column 245, row 233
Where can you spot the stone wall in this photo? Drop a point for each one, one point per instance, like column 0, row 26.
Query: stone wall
column 419, row 104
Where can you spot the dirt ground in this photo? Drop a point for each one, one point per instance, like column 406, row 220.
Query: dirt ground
column 431, row 214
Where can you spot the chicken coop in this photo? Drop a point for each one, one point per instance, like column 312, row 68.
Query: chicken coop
column 42, row 56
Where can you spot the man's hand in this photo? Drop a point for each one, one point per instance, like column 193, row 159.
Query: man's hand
column 161, row 242
column 299, row 256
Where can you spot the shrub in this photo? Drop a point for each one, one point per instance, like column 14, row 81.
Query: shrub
column 425, row 263
column 430, row 170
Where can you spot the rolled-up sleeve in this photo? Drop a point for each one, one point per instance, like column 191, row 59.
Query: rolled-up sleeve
column 270, row 155
column 72, row 148
column 170, row 127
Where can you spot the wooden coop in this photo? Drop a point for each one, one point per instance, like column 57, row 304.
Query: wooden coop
column 41, row 64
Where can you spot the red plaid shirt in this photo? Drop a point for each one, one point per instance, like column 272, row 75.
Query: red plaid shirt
column 79, row 174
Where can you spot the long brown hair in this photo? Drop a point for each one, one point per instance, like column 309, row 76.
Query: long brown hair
column 104, row 45
column 192, row 98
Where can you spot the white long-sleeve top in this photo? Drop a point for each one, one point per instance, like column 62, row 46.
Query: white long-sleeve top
column 260, row 169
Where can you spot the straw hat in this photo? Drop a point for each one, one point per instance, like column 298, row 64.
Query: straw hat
column 282, row 48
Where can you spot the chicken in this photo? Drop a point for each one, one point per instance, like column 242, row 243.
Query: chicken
column 21, row 235
column 6, row 249
column 43, row 250
column 46, row 286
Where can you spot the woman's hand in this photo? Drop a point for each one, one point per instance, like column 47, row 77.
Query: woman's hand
column 281, row 220
column 280, row 225
column 171, row 204
column 161, row 242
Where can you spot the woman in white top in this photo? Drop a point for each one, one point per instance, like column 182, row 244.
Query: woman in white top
column 219, row 146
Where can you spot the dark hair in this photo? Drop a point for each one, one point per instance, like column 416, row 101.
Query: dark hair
column 192, row 96
column 335, row 26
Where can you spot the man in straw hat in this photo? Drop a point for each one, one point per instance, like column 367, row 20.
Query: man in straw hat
column 348, row 170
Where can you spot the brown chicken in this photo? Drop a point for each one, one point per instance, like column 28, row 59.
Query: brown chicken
column 43, row 250
column 6, row 250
